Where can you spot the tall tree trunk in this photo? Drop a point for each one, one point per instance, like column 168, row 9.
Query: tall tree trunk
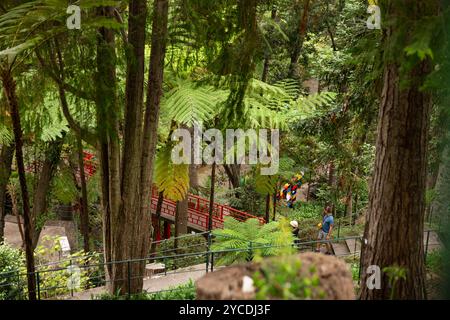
column 6, row 157
column 298, row 43
column 10, row 90
column 84, row 211
column 107, row 132
column 267, row 56
column 52, row 157
column 395, row 218
column 150, row 134
column 125, row 224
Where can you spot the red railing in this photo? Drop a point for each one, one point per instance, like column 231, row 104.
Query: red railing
column 198, row 209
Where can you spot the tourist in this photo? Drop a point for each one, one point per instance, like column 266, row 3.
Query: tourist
column 325, row 229
column 295, row 229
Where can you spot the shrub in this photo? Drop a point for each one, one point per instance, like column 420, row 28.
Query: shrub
column 305, row 210
column 70, row 274
column 180, row 292
column 434, row 261
column 186, row 245
column 11, row 282
column 275, row 237
column 284, row 279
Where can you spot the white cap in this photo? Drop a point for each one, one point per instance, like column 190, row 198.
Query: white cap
column 294, row 224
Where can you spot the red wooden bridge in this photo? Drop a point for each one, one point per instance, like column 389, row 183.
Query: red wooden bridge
column 198, row 212
column 198, row 207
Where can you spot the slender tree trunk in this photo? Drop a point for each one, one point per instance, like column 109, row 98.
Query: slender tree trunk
column 267, row 57
column 6, row 157
column 233, row 171
column 193, row 170
column 275, row 205
column 142, row 224
column 52, row 157
column 211, row 197
column 395, row 218
column 157, row 224
column 308, row 190
column 266, row 67
column 267, row 208
column 332, row 183
column 349, row 209
column 298, row 44
column 10, row 90
column 181, row 221
column 84, row 211
column 15, row 211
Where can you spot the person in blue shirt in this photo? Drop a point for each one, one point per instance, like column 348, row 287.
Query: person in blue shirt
column 326, row 229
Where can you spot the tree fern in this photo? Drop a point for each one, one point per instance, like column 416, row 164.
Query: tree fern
column 171, row 179
column 6, row 135
column 252, row 237
column 187, row 102
column 28, row 25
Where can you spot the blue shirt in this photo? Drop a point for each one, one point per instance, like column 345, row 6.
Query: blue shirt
column 327, row 221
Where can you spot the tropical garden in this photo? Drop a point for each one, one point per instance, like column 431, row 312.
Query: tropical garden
column 93, row 92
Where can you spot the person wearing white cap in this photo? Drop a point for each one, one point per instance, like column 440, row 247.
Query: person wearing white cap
column 295, row 232
column 295, row 229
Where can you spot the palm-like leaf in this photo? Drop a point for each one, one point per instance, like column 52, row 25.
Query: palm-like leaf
column 171, row 179
column 188, row 103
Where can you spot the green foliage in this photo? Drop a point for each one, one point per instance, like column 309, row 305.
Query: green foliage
column 11, row 282
column 354, row 268
column 284, row 279
column 188, row 102
column 31, row 24
column 63, row 187
column 172, row 179
column 249, row 199
column 189, row 244
column 265, row 184
column 180, row 292
column 6, row 135
column 268, row 239
column 435, row 261
column 394, row 274
column 55, row 277
column 305, row 210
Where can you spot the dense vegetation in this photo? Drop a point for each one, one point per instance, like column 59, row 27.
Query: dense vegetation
column 87, row 116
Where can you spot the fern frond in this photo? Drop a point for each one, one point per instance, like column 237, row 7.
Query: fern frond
column 171, row 179
column 188, row 103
